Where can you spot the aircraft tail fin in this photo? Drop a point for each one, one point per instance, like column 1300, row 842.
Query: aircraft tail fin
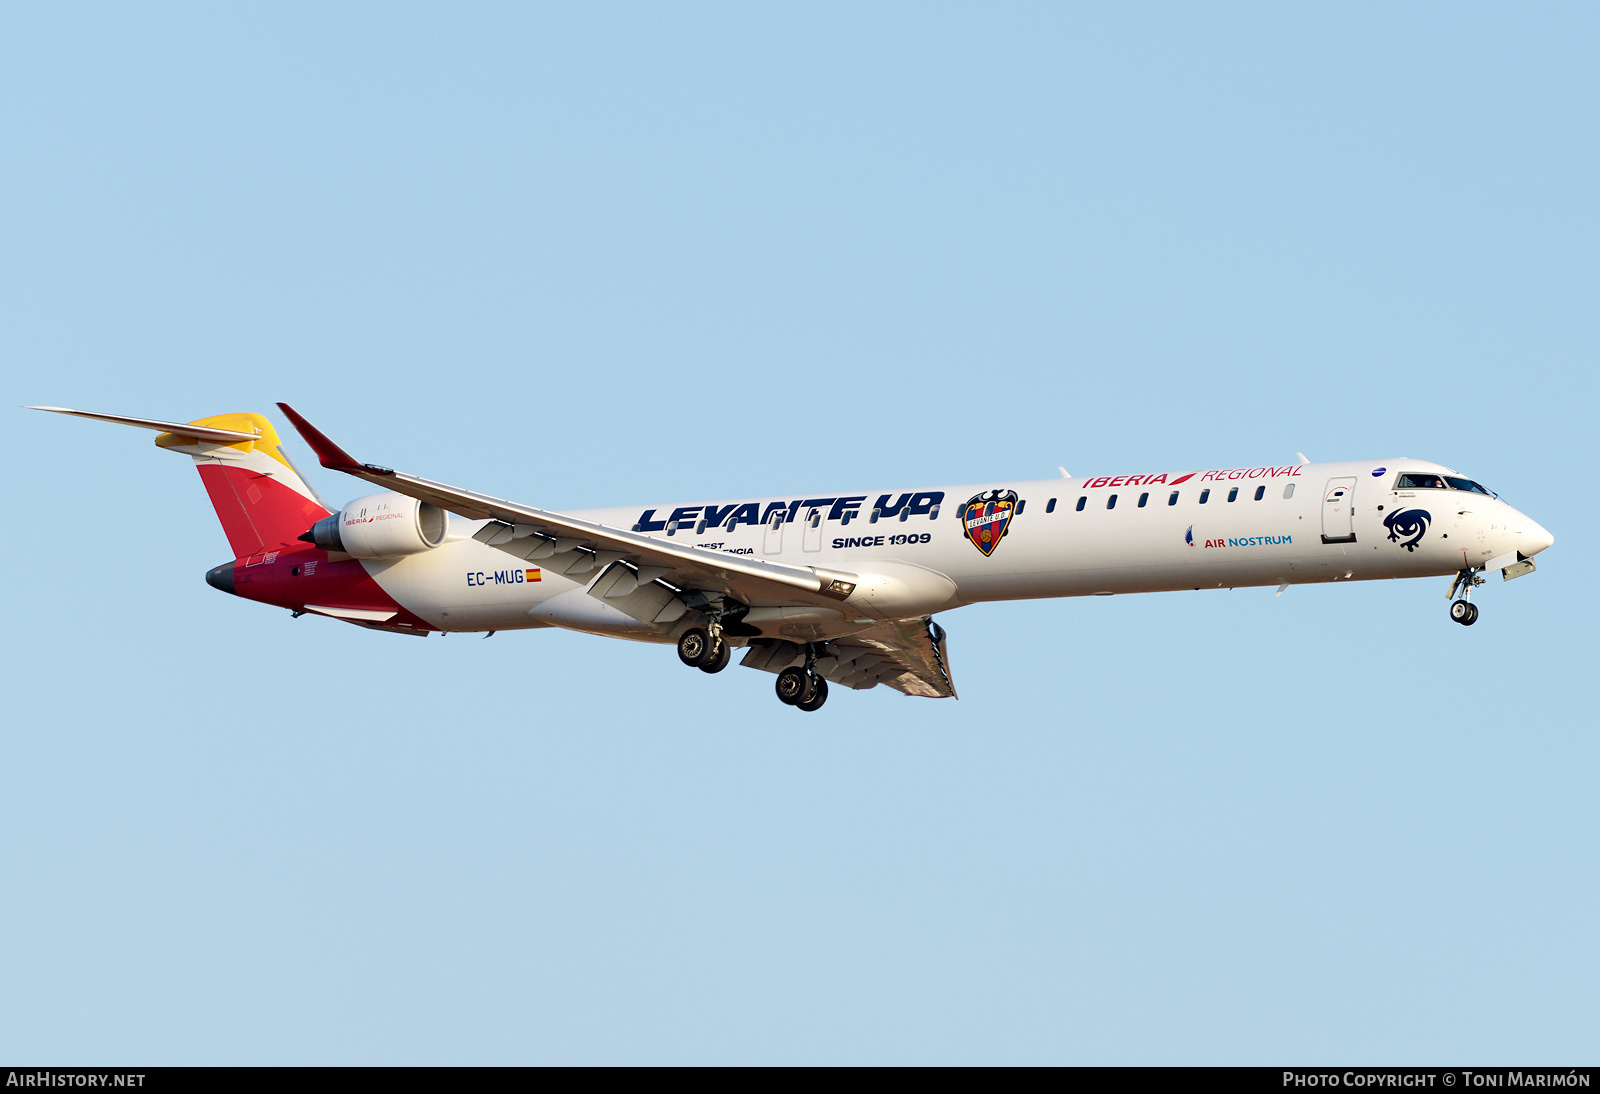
column 260, row 497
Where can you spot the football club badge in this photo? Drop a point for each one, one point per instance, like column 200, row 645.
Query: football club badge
column 986, row 517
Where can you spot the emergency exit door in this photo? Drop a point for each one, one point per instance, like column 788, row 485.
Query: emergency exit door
column 811, row 540
column 772, row 537
column 1339, row 511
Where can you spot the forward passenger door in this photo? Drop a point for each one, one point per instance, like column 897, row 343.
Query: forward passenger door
column 1338, row 511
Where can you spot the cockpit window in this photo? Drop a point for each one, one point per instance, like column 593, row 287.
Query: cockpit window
column 1464, row 484
column 1422, row 480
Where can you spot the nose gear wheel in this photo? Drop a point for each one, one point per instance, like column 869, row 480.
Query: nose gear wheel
column 1464, row 611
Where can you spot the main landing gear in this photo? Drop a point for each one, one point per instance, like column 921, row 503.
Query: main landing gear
column 803, row 687
column 1464, row 611
column 799, row 688
column 700, row 648
column 706, row 649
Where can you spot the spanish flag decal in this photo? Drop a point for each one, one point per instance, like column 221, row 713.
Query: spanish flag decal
column 534, row 575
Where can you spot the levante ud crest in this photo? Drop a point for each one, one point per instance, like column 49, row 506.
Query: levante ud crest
column 986, row 517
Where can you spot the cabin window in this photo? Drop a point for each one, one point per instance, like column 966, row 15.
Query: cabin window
column 672, row 527
column 933, row 514
column 1173, row 499
column 1144, row 499
column 1021, row 505
column 873, row 519
column 1082, row 502
column 1205, row 496
column 1464, row 484
column 1288, row 492
column 700, row 527
column 1417, row 481
column 1050, row 506
column 1233, row 495
column 1261, row 492
column 1111, row 502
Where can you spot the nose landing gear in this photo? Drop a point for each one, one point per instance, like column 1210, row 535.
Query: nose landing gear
column 1464, row 611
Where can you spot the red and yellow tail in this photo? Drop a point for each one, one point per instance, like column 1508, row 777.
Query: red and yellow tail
column 259, row 496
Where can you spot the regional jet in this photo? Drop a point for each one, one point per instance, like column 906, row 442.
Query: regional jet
column 821, row 589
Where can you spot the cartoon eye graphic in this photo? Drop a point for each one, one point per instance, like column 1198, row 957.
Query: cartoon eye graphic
column 1408, row 526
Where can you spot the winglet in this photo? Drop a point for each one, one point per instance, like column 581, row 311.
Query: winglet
column 1303, row 459
column 329, row 453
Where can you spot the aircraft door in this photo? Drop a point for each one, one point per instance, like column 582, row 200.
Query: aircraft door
column 812, row 540
column 1339, row 512
column 772, row 536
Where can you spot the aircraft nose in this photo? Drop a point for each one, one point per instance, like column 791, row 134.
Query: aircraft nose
column 1532, row 538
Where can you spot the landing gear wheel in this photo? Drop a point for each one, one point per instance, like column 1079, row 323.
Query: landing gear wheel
column 719, row 660
column 1464, row 612
column 818, row 697
column 695, row 647
column 794, row 686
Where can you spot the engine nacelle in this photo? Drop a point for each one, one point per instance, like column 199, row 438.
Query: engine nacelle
column 386, row 525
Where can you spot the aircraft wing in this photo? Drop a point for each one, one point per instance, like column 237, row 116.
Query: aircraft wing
column 909, row 655
column 577, row 546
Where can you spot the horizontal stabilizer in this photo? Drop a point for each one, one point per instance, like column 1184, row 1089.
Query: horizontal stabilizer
column 181, row 429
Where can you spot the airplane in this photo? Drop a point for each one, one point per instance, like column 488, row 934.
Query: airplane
column 836, row 588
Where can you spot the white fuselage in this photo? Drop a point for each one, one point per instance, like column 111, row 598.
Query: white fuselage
column 1062, row 537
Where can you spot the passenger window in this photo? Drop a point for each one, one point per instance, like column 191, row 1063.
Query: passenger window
column 1021, row 505
column 1082, row 502
column 1050, row 506
column 1173, row 500
column 1143, row 500
column 1111, row 502
column 1419, row 482
column 1288, row 492
column 1233, row 495
column 1205, row 496
column 1261, row 492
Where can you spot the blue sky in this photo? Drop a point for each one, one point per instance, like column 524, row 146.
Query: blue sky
column 631, row 254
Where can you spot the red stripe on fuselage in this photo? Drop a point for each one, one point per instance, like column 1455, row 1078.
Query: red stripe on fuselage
column 302, row 574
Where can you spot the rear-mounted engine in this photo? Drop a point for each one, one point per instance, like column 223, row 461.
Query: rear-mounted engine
column 386, row 525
